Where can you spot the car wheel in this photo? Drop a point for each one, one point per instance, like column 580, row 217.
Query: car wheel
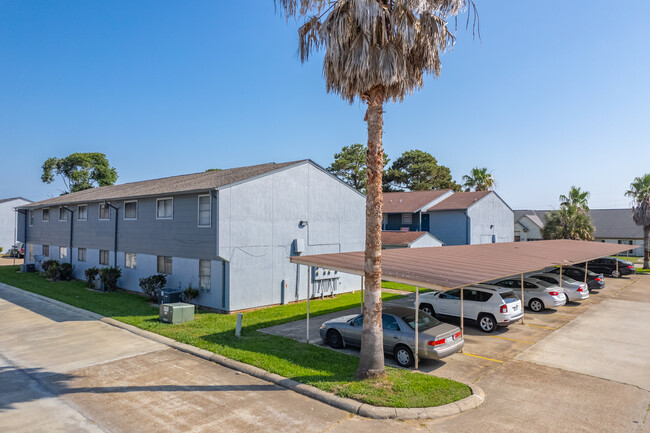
column 334, row 339
column 427, row 308
column 616, row 274
column 403, row 356
column 536, row 305
column 487, row 323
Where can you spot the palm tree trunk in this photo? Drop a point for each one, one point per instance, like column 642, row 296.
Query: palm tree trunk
column 646, row 247
column 371, row 363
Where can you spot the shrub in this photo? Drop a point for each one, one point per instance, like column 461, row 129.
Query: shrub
column 51, row 269
column 190, row 293
column 1, row 250
column 91, row 276
column 65, row 271
column 109, row 277
column 150, row 285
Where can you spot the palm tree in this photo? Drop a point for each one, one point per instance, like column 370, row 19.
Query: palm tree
column 577, row 198
column 569, row 222
column 375, row 51
column 478, row 180
column 640, row 192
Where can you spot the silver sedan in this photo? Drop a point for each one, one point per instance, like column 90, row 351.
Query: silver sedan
column 574, row 290
column 436, row 339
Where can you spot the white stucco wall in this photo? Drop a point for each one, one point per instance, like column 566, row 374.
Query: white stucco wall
column 534, row 231
column 426, row 241
column 491, row 219
column 8, row 222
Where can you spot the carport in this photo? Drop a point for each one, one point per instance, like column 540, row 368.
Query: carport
column 452, row 267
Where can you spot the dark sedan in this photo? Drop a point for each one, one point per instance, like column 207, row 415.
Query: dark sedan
column 607, row 266
column 594, row 281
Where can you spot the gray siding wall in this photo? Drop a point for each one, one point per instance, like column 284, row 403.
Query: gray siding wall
column 491, row 211
column 449, row 226
column 259, row 220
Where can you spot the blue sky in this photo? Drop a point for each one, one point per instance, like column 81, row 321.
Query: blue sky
column 554, row 94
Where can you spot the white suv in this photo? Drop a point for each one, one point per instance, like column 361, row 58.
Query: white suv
column 489, row 306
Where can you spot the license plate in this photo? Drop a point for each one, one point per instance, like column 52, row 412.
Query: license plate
column 450, row 339
column 515, row 308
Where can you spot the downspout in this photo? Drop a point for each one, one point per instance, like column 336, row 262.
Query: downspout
column 420, row 222
column 71, row 227
column 115, row 231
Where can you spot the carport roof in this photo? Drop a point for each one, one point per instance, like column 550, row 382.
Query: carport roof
column 458, row 266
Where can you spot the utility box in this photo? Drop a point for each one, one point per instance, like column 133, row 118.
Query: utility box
column 178, row 312
column 170, row 296
column 27, row 267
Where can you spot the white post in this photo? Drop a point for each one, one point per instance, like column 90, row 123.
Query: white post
column 308, row 296
column 586, row 270
column 617, row 273
column 462, row 318
column 417, row 330
column 240, row 316
column 523, row 303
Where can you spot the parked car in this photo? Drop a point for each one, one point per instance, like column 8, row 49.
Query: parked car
column 436, row 339
column 607, row 266
column 594, row 281
column 538, row 295
column 488, row 306
column 573, row 290
column 17, row 250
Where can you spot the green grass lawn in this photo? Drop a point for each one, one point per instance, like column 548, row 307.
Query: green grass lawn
column 320, row 367
column 630, row 259
column 401, row 286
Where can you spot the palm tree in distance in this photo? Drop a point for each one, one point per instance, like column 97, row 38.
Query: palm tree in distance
column 577, row 198
column 640, row 192
column 479, row 180
column 375, row 51
column 568, row 222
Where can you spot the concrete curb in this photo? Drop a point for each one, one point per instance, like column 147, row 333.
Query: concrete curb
column 474, row 401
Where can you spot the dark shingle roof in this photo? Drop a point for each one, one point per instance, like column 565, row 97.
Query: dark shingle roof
column 459, row 200
column 409, row 201
column 168, row 185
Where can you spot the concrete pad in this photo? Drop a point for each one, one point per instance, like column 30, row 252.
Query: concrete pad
column 611, row 342
column 170, row 391
column 53, row 339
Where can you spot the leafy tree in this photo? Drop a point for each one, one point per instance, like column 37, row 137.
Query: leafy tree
column 350, row 166
column 568, row 222
column 80, row 171
column 640, row 192
column 478, row 180
column 375, row 51
column 416, row 170
column 577, row 198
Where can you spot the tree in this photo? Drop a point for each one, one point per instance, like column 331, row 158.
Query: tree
column 416, row 170
column 350, row 166
column 80, row 171
column 375, row 51
column 577, row 198
column 568, row 222
column 479, row 180
column 640, row 192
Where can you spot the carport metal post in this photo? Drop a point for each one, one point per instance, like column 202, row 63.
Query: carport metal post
column 617, row 273
column 417, row 310
column 462, row 317
column 308, row 295
column 523, row 303
column 560, row 276
column 586, row 263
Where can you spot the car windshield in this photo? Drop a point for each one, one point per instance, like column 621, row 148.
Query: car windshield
column 424, row 321
column 509, row 297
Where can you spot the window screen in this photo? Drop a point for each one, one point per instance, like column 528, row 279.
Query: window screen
column 205, row 274
column 407, row 219
column 103, row 257
column 46, row 250
column 46, row 214
column 82, row 212
column 63, row 214
column 204, row 210
column 63, row 251
column 130, row 210
column 164, row 208
column 164, row 265
column 81, row 254
column 130, row 260
column 104, row 212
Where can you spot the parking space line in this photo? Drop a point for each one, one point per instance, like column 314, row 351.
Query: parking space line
column 538, row 326
column 511, row 339
column 482, row 357
column 563, row 315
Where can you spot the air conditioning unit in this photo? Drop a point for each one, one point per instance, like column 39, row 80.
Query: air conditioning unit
column 27, row 267
column 176, row 313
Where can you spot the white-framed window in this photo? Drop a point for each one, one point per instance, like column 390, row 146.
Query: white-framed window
column 165, row 208
column 63, row 214
column 131, row 210
column 63, row 252
column 205, row 274
column 82, row 212
column 46, row 250
column 103, row 257
column 205, row 210
column 407, row 219
column 31, row 252
column 46, row 215
column 104, row 212
column 130, row 260
column 31, row 218
column 81, row 254
column 164, row 265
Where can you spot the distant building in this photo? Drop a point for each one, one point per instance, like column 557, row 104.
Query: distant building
column 455, row 218
column 229, row 233
column 612, row 225
column 8, row 221
column 403, row 239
